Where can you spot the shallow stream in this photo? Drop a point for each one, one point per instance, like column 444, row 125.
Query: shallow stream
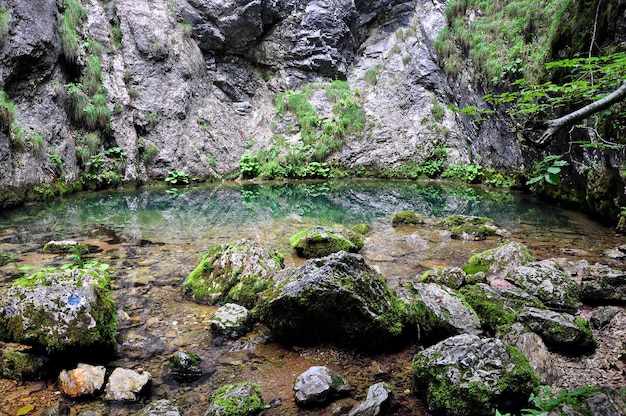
column 153, row 238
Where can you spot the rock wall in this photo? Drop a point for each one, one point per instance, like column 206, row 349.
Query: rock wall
column 195, row 82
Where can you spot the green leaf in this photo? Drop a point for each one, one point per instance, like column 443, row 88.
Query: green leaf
column 554, row 170
column 552, row 179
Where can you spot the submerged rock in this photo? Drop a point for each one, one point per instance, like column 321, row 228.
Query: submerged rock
column 319, row 385
column 407, row 218
column 338, row 299
column 440, row 313
column 126, row 384
column 239, row 399
column 65, row 246
column 161, row 407
column 379, row 402
column 231, row 320
column 84, row 380
column 185, row 366
column 323, row 241
column 60, row 311
column 468, row 227
column 466, row 375
column 234, row 272
column 560, row 331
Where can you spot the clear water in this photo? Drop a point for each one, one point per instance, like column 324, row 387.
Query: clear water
column 153, row 239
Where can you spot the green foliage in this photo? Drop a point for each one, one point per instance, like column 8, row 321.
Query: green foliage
column 249, row 165
column 37, row 144
column 177, row 178
column 73, row 16
column 464, row 173
column 504, row 40
column 7, row 111
column 150, row 152
column 56, row 160
column 5, row 24
column 548, row 170
column 544, row 401
column 187, row 29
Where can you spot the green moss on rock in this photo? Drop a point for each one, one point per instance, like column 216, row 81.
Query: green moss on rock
column 239, row 399
column 322, row 241
column 407, row 218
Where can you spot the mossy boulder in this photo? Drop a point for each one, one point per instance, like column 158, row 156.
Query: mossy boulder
column 321, row 241
column 466, row 375
column 235, row 273
column 452, row 277
column 66, row 246
column 561, row 332
column 438, row 312
column 22, row 365
column 468, row 227
column 61, row 311
column 185, row 365
column 238, row 399
column 547, row 281
column 338, row 299
column 407, row 218
column 231, row 320
column 495, row 262
column 497, row 306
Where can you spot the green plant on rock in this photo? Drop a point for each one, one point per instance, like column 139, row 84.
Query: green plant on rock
column 37, row 144
column 548, row 170
column 5, row 24
column 7, row 112
column 177, row 178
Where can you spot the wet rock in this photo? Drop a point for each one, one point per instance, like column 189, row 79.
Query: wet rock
column 607, row 402
column 185, row 366
column 318, row 385
column 603, row 315
column 323, row 241
column 234, row 272
column 84, row 380
column 533, row 347
column 338, row 299
column 497, row 306
column 467, row 375
column 231, row 320
column 496, row 262
column 440, row 313
column 452, row 277
column 560, row 331
column 379, row 402
column 161, row 407
column 407, row 218
column 239, row 399
column 547, row 281
column 602, row 284
column 61, row 310
column 468, row 227
column 22, row 365
column 65, row 246
column 126, row 384
column 614, row 254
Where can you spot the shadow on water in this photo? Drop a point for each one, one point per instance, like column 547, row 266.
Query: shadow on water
column 153, row 239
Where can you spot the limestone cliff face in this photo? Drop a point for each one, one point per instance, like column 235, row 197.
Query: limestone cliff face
column 190, row 85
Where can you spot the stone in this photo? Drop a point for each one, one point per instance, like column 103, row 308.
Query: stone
column 234, row 273
column 496, row 262
column 601, row 284
column 126, row 384
column 602, row 316
column 496, row 306
column 185, row 366
column 379, row 402
column 560, row 331
column 21, row 365
column 84, row 380
column 322, row 241
column 439, row 312
column 61, row 310
column 452, row 277
column 318, row 385
column 231, row 320
column 336, row 299
column 533, row 347
column 238, row 399
column 547, row 281
column 161, row 407
column 467, row 375
column 65, row 246
column 469, row 227
column 407, row 218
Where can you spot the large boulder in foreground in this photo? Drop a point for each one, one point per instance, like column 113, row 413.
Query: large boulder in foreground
column 234, row 272
column 336, row 299
column 60, row 311
column 465, row 375
column 323, row 241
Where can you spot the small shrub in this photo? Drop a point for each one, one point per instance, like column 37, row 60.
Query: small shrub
column 150, row 152
column 37, row 144
column 187, row 29
column 69, row 39
column 371, row 76
column 249, row 165
column 7, row 111
column 437, row 111
column 177, row 178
